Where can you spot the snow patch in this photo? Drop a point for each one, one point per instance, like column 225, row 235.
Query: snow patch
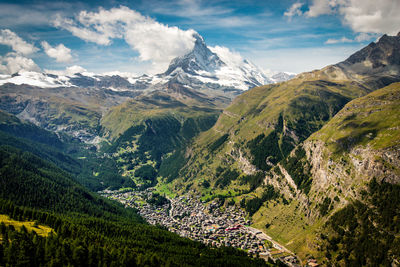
column 35, row 79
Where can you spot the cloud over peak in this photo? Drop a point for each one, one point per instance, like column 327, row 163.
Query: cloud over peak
column 12, row 63
column 156, row 42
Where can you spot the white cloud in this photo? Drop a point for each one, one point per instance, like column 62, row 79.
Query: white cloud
column 17, row 44
column 159, row 43
column 371, row 16
column 16, row 61
column 365, row 37
column 294, row 10
column 82, row 33
column 362, row 16
column 69, row 71
column 321, row 7
column 226, row 55
column 315, row 9
column 60, row 53
column 154, row 41
column 13, row 62
column 341, row 40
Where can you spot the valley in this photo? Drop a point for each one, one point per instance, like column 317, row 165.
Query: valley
column 208, row 163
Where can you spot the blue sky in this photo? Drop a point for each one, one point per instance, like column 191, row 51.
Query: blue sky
column 142, row 36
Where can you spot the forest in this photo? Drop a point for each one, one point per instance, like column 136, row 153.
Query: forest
column 364, row 233
column 82, row 240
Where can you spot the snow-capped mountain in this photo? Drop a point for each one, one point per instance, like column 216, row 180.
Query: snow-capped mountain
column 201, row 59
column 216, row 67
column 38, row 79
column 210, row 70
column 282, row 77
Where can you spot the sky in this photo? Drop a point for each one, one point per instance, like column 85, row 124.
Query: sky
column 140, row 37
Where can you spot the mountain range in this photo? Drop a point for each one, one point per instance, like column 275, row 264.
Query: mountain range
column 75, row 102
column 313, row 158
column 204, row 68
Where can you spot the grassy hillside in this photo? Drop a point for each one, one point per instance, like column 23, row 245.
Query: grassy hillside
column 266, row 123
column 360, row 143
column 262, row 126
column 143, row 131
column 41, row 230
column 135, row 111
column 373, row 120
column 357, row 145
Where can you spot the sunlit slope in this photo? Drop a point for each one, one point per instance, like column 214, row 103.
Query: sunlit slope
column 262, row 126
column 273, row 118
column 372, row 120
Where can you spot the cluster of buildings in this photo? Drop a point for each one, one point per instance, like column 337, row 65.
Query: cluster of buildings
column 212, row 224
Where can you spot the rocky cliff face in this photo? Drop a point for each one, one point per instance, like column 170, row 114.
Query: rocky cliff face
column 360, row 143
column 385, row 52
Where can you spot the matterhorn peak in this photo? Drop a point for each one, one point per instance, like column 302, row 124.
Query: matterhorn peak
column 198, row 39
column 199, row 59
column 214, row 67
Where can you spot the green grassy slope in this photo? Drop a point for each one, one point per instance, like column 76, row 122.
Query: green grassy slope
column 278, row 116
column 358, row 144
column 372, row 120
column 265, row 123
column 143, row 131
column 135, row 111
